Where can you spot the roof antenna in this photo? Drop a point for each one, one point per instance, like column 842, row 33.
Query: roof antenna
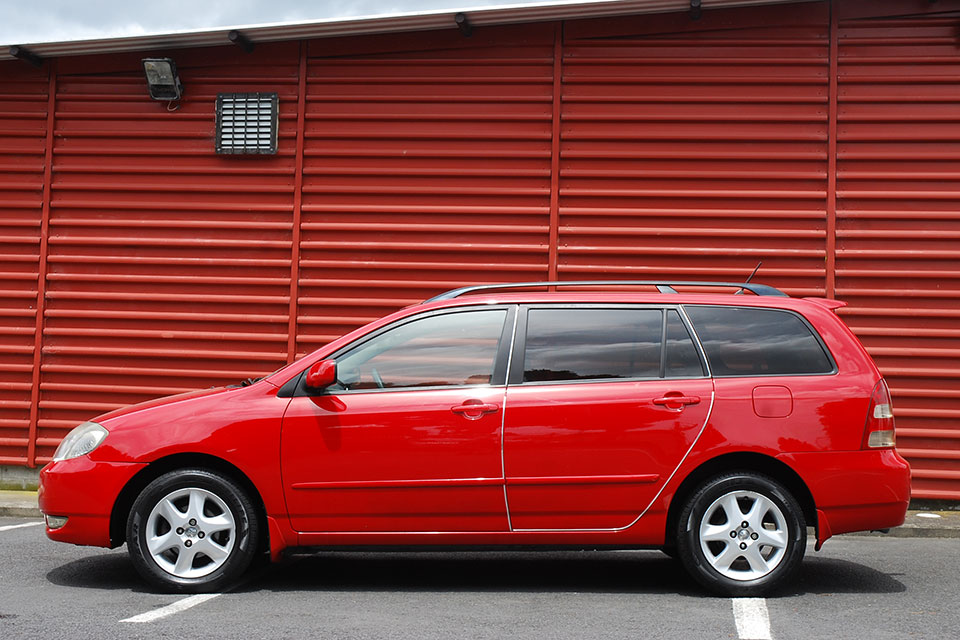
column 747, row 281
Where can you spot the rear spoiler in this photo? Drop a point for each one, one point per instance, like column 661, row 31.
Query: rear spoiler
column 828, row 303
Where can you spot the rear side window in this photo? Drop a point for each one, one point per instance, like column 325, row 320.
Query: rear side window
column 598, row 344
column 750, row 342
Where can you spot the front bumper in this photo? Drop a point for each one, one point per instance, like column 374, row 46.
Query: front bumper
column 855, row 490
column 83, row 491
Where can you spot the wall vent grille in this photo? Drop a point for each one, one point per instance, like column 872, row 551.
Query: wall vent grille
column 247, row 123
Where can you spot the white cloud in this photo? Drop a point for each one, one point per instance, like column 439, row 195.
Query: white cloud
column 53, row 20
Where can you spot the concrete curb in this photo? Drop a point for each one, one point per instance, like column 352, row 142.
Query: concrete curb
column 19, row 504
column 918, row 524
column 19, row 512
column 922, row 523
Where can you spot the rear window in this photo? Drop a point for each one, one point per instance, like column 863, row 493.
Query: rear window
column 742, row 341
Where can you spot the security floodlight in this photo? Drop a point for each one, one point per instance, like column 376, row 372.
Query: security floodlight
column 162, row 78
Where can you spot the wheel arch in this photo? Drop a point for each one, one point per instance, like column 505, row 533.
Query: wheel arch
column 129, row 493
column 740, row 461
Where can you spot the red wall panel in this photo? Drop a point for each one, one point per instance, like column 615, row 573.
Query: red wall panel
column 696, row 155
column 169, row 266
column 424, row 169
column 898, row 226
column 23, row 133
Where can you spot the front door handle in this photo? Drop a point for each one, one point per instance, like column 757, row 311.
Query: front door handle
column 474, row 410
column 676, row 400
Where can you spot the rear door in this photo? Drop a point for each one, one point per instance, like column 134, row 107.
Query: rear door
column 603, row 404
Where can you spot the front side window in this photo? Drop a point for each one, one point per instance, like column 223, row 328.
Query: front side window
column 600, row 344
column 453, row 349
column 743, row 341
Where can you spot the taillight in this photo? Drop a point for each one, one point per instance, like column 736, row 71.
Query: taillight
column 879, row 431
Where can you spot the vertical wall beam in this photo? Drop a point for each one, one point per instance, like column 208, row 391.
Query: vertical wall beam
column 831, row 261
column 297, row 205
column 554, row 239
column 42, row 266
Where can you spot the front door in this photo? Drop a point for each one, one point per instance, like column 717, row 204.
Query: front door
column 409, row 440
column 603, row 404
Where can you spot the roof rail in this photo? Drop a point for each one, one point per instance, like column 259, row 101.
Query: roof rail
column 663, row 286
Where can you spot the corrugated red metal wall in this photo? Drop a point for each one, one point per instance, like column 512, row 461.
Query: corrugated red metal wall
column 898, row 224
column 168, row 266
column 423, row 170
column 24, row 101
column 696, row 153
column 817, row 138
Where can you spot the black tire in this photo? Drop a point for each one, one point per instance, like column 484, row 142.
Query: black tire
column 167, row 509
column 735, row 560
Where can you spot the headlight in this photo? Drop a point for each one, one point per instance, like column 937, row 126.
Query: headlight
column 81, row 441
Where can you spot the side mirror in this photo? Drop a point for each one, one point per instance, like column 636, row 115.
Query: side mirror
column 322, row 374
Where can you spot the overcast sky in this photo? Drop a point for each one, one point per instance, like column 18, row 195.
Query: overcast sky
column 24, row 22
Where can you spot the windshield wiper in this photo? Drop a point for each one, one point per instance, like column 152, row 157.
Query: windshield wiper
column 246, row 383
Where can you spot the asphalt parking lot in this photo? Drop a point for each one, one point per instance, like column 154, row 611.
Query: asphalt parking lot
column 856, row 587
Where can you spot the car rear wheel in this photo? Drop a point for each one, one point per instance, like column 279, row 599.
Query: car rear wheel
column 192, row 530
column 741, row 534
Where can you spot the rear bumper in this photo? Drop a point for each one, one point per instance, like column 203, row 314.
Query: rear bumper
column 855, row 490
column 84, row 492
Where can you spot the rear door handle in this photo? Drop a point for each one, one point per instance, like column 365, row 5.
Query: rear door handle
column 676, row 400
column 474, row 410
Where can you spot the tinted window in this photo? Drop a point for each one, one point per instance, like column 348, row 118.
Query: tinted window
column 450, row 349
column 682, row 359
column 746, row 342
column 583, row 344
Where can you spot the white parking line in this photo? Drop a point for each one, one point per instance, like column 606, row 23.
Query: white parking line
column 753, row 620
column 191, row 601
column 176, row 607
column 20, row 526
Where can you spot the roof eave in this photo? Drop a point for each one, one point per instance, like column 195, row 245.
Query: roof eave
column 367, row 25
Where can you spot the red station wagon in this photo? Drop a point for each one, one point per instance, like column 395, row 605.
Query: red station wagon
column 715, row 427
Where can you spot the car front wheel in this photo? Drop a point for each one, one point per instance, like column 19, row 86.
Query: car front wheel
column 192, row 530
column 741, row 534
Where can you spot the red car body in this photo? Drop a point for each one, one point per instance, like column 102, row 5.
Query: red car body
column 552, row 464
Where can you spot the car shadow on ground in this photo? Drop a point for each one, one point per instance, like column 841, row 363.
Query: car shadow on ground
column 112, row 571
column 547, row 571
column 824, row 576
column 636, row 572
column 584, row 571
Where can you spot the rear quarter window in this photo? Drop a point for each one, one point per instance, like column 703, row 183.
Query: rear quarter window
column 743, row 341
